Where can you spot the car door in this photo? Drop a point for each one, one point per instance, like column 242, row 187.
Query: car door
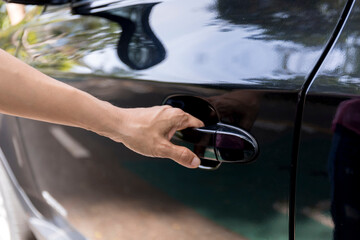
column 329, row 147
column 238, row 63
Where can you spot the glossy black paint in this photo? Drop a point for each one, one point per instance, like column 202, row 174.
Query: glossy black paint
column 300, row 111
column 138, row 47
column 331, row 125
column 39, row 2
column 237, row 52
column 248, row 59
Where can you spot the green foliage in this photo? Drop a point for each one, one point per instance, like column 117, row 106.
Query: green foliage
column 4, row 19
column 31, row 37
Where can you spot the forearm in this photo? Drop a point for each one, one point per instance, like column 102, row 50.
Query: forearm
column 26, row 92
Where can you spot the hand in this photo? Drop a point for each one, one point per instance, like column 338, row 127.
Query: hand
column 148, row 131
column 26, row 92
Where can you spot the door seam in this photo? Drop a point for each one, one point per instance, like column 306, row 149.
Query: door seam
column 300, row 110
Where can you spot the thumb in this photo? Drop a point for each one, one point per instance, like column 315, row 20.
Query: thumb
column 181, row 155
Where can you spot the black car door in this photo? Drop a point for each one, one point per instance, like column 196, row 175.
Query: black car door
column 238, row 63
column 329, row 147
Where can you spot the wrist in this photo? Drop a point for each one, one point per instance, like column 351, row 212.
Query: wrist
column 112, row 122
column 107, row 120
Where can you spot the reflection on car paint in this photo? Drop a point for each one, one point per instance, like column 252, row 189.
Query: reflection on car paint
column 330, row 168
column 344, row 170
column 250, row 52
column 247, row 58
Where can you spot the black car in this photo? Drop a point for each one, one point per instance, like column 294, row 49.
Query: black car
column 276, row 82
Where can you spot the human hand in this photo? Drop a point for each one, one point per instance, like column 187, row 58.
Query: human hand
column 26, row 92
column 148, row 131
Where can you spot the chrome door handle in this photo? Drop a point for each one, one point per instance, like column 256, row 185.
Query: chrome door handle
column 218, row 143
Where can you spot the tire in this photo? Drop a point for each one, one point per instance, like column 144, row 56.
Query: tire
column 13, row 219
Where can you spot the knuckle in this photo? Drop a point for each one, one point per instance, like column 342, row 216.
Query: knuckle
column 185, row 156
column 178, row 111
column 184, row 119
column 166, row 107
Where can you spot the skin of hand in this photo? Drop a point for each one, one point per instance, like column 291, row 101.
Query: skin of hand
column 148, row 131
column 26, row 92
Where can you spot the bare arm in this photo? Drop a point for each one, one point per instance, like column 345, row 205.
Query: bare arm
column 28, row 93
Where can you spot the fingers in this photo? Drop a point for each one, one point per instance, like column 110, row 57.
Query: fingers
column 185, row 120
column 181, row 120
column 181, row 155
column 193, row 122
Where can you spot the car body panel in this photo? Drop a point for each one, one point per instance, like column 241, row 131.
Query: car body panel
column 248, row 59
column 330, row 173
column 240, row 39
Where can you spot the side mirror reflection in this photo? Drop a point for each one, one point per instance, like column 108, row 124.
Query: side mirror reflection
column 138, row 47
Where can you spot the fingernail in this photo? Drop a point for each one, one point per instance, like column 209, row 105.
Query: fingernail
column 195, row 162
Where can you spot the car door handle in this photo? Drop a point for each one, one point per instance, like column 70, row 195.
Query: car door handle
column 218, row 143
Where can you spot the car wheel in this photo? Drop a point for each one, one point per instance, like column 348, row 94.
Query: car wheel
column 13, row 219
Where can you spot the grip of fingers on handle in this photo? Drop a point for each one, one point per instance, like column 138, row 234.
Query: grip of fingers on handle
column 216, row 142
column 201, row 142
